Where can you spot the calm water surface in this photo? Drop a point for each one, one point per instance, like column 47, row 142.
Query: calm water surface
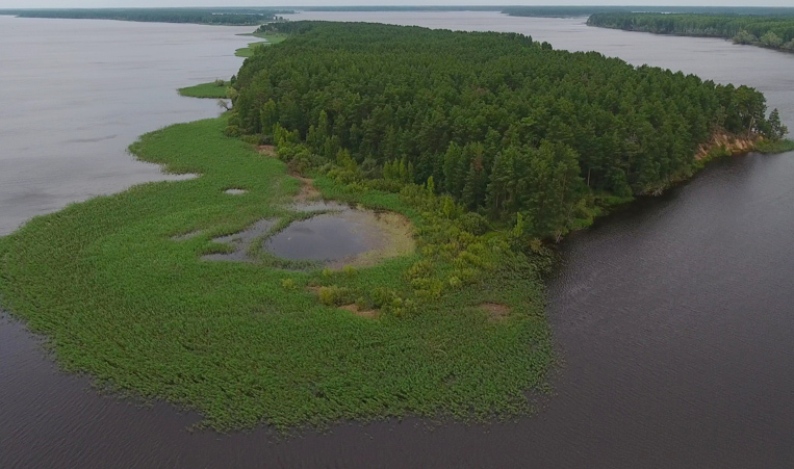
column 76, row 93
column 675, row 319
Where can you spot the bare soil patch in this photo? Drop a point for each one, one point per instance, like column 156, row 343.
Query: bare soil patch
column 267, row 150
column 496, row 311
column 733, row 144
column 307, row 191
column 367, row 313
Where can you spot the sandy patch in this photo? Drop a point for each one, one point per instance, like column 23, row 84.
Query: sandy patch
column 307, row 191
column 732, row 144
column 353, row 308
column 267, row 150
column 389, row 234
column 496, row 311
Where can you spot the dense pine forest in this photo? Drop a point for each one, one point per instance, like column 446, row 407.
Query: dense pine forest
column 774, row 32
column 508, row 127
column 216, row 16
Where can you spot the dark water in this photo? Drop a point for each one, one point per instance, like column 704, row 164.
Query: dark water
column 675, row 320
column 327, row 237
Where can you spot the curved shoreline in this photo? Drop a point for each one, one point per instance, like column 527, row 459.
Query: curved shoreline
column 703, row 36
column 182, row 164
column 144, row 315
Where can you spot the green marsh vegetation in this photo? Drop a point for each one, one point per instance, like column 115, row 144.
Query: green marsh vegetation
column 271, row 35
column 263, row 32
column 249, row 50
column 218, row 89
column 490, row 144
column 244, row 343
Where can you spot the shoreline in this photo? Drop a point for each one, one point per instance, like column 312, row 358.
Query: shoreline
column 98, row 237
column 701, row 36
column 181, row 166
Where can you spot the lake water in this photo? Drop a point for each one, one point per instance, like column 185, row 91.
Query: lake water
column 674, row 319
column 76, row 93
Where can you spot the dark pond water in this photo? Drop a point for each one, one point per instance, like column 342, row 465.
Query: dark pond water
column 327, row 237
column 336, row 235
column 675, row 320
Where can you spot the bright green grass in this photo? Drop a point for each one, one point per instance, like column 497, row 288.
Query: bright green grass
column 272, row 38
column 269, row 39
column 123, row 301
column 248, row 51
column 206, row 90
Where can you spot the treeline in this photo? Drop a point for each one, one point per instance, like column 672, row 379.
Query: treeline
column 213, row 16
column 587, row 10
column 775, row 32
column 503, row 124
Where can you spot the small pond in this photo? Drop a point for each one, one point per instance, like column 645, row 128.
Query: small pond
column 329, row 237
column 336, row 236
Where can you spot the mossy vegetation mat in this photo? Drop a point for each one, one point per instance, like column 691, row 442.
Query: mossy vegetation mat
column 218, row 89
column 269, row 39
column 118, row 285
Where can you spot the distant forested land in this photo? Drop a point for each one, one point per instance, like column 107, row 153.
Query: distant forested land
column 216, row 16
column 562, row 11
column 585, row 10
column 507, row 127
column 772, row 31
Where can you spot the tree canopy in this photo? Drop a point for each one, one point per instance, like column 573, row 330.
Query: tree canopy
column 503, row 124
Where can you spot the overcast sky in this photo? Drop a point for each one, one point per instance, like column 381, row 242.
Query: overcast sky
column 164, row 3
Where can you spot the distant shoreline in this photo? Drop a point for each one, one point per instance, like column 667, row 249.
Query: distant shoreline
column 772, row 31
column 204, row 16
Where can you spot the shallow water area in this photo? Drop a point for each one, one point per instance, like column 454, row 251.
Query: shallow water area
column 241, row 242
column 336, row 236
column 330, row 238
column 319, row 206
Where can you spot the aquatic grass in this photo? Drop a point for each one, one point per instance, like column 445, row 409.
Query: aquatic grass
column 247, row 343
column 217, row 89
column 269, row 39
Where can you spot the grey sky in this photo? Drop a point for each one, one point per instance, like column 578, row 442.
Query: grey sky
column 161, row 3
